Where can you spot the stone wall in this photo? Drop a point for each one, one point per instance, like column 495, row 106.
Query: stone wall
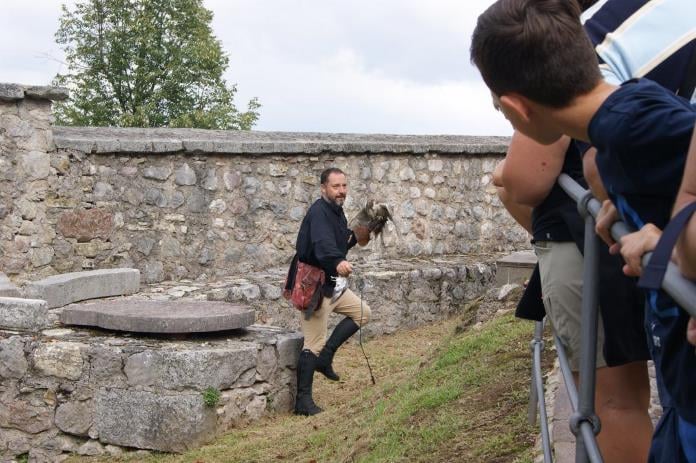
column 196, row 204
column 401, row 293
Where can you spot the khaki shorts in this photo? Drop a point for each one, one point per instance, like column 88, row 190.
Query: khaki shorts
column 560, row 266
column 314, row 329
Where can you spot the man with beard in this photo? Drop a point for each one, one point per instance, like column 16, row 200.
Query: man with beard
column 323, row 241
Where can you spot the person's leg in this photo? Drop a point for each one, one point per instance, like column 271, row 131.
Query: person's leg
column 625, row 387
column 357, row 314
column 621, row 393
column 622, row 400
column 314, row 331
column 350, row 305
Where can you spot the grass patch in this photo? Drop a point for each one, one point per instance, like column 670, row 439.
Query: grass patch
column 441, row 396
column 211, row 396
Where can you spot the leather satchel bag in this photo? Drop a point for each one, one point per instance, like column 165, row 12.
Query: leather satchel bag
column 305, row 292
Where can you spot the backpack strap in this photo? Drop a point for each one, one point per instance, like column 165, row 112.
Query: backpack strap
column 654, row 272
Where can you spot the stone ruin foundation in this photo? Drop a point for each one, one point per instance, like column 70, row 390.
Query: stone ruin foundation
column 71, row 383
column 137, row 375
column 205, row 221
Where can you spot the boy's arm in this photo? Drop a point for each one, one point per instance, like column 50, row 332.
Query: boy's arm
column 521, row 213
column 686, row 245
column 591, row 174
column 531, row 169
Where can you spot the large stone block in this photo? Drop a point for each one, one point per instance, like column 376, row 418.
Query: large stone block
column 148, row 420
column 85, row 225
column 13, row 363
column 26, row 416
column 14, row 442
column 197, row 369
column 60, row 290
column 515, row 267
column 23, row 314
column 239, row 406
column 60, row 359
column 147, row 316
column 289, row 347
column 7, row 288
column 75, row 417
column 11, row 92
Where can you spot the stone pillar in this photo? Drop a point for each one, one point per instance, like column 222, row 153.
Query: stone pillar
column 26, row 141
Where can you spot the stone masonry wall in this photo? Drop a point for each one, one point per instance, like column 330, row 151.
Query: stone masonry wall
column 79, row 391
column 199, row 204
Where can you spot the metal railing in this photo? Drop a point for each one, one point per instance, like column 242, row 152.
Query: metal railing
column 583, row 422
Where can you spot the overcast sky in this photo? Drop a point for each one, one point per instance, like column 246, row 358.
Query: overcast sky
column 366, row 66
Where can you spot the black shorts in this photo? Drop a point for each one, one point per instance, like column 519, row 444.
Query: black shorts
column 622, row 306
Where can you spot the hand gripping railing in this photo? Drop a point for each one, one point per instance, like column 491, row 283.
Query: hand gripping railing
column 680, row 289
column 583, row 422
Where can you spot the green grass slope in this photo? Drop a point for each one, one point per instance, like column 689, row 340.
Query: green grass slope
column 443, row 394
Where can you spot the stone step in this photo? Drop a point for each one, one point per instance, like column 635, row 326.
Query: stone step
column 63, row 289
column 25, row 314
column 148, row 316
column 7, row 288
column 515, row 267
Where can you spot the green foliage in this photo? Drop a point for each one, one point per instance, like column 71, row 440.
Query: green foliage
column 146, row 63
column 211, row 396
column 23, row 458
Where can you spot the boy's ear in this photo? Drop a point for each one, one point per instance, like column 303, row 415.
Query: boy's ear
column 516, row 105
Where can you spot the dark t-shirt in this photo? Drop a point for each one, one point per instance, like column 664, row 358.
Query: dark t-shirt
column 556, row 218
column 642, row 133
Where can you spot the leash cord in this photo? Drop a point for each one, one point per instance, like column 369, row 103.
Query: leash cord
column 361, row 285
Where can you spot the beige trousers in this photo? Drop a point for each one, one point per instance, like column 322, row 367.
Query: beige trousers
column 315, row 328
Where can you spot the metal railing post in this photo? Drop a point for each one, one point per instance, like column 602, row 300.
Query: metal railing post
column 588, row 341
column 533, row 398
column 536, row 397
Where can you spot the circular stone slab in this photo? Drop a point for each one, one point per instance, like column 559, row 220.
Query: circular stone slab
column 146, row 316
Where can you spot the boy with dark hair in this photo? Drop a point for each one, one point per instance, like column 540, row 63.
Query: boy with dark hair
column 632, row 39
column 543, row 74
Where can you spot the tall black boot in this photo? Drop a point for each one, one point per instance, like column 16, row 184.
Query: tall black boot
column 304, row 404
column 344, row 330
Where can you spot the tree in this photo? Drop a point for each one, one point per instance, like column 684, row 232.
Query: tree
column 146, row 63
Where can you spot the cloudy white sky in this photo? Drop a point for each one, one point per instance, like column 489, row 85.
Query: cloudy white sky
column 366, row 66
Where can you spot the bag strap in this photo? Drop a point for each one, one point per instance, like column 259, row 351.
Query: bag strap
column 292, row 273
column 686, row 89
column 654, row 272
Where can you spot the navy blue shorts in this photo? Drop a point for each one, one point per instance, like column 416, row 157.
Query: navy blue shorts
column 623, row 315
column 674, row 440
